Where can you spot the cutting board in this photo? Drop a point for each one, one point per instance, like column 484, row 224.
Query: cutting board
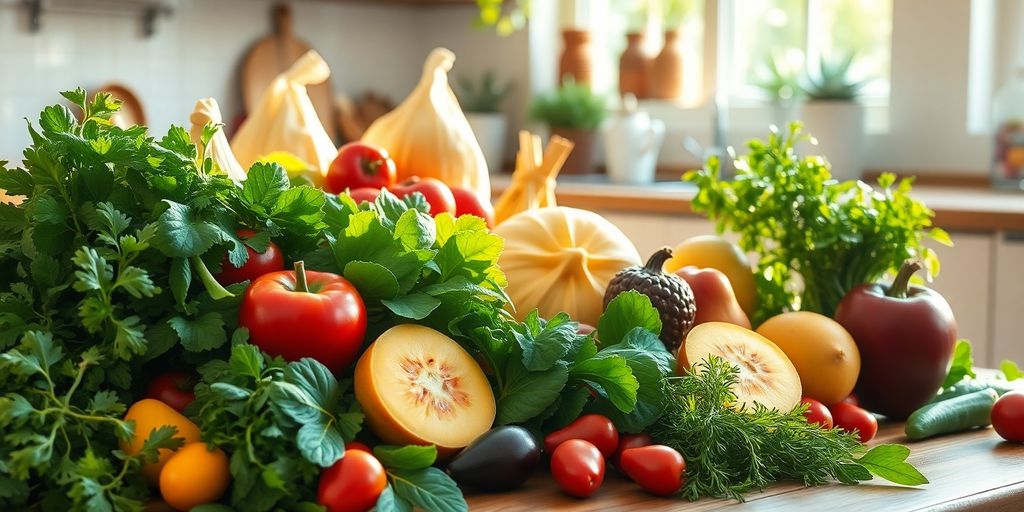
column 272, row 56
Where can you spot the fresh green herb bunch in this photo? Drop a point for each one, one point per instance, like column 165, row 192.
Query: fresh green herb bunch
column 730, row 451
column 832, row 80
column 111, row 222
column 485, row 96
column 571, row 106
column 263, row 411
column 817, row 238
column 57, row 434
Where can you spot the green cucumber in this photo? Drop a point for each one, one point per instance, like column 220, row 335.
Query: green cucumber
column 969, row 386
column 953, row 415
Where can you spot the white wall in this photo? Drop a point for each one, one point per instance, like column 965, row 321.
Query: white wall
column 197, row 51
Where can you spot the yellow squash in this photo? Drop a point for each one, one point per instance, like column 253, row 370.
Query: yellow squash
column 428, row 135
column 561, row 259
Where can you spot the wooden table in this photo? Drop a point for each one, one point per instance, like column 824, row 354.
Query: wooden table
column 968, row 471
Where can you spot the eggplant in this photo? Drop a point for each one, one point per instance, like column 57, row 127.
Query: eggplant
column 501, row 459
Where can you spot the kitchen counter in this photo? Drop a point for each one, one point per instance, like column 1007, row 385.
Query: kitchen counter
column 956, row 208
column 969, row 471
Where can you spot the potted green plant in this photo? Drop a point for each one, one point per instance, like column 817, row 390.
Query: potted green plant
column 778, row 78
column 833, row 116
column 573, row 111
column 482, row 103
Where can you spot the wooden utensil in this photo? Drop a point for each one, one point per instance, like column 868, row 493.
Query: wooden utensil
column 273, row 55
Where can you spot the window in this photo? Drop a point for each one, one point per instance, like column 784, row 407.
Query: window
column 796, row 35
column 793, row 34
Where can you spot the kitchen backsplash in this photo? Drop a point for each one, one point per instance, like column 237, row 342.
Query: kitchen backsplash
column 196, row 52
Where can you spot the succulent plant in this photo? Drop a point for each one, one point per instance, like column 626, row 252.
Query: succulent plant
column 779, row 81
column 485, row 95
column 833, row 81
column 572, row 106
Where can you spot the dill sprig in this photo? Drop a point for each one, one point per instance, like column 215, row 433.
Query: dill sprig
column 730, row 451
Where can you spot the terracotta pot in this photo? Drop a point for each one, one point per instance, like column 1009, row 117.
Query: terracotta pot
column 584, row 152
column 667, row 71
column 634, row 67
column 577, row 59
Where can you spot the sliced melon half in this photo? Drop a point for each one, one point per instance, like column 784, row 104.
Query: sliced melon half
column 418, row 386
column 766, row 375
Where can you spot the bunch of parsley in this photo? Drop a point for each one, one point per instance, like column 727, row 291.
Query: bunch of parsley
column 816, row 238
column 96, row 272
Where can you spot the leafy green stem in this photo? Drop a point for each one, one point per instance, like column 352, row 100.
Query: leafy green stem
column 215, row 289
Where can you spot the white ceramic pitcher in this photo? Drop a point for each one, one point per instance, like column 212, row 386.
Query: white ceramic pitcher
column 632, row 140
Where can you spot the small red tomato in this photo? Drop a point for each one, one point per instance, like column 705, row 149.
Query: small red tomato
column 296, row 314
column 352, row 484
column 817, row 413
column 360, row 165
column 852, row 399
column 437, row 194
column 270, row 260
column 593, row 428
column 468, row 203
column 657, row 469
column 577, row 467
column 1008, row 416
column 849, row 417
column 361, row 195
column 356, row 445
column 627, row 441
column 173, row 389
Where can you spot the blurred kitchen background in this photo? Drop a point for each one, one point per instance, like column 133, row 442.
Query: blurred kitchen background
column 919, row 87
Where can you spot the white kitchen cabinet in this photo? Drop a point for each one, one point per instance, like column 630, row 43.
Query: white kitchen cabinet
column 965, row 281
column 1008, row 302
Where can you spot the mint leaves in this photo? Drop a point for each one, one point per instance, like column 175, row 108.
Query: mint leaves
column 889, row 461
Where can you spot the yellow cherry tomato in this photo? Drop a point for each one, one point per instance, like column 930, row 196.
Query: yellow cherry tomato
column 148, row 415
column 195, row 476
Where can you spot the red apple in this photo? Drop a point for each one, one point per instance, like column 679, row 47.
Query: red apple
column 468, row 202
column 360, row 165
column 364, row 194
column 716, row 302
column 438, row 195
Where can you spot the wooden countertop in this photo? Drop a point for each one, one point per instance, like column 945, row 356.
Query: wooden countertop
column 956, row 208
column 968, row 471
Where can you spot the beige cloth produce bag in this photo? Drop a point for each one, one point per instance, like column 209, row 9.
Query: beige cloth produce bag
column 285, row 120
column 206, row 112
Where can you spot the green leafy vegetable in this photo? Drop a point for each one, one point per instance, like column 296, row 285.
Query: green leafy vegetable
column 1010, row 370
column 963, row 364
column 730, row 451
column 262, row 411
column 816, row 238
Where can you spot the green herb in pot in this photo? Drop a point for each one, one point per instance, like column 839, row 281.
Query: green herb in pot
column 816, row 238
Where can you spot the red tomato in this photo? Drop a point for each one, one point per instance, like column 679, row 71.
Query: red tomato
column 364, row 194
column 270, row 260
column 657, row 469
column 852, row 399
column 1008, row 416
column 356, row 445
column 173, row 389
column 817, row 413
column 593, row 428
column 360, row 165
column 305, row 314
column 627, row 441
column 468, row 203
column 577, row 467
column 352, row 484
column 849, row 417
column 437, row 194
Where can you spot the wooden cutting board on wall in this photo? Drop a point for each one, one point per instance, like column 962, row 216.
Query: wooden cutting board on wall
column 273, row 55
